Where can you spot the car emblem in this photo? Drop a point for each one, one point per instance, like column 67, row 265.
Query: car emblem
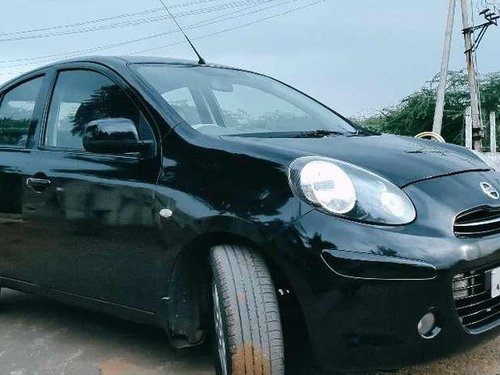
column 489, row 190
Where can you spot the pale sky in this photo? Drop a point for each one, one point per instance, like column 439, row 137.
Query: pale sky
column 355, row 56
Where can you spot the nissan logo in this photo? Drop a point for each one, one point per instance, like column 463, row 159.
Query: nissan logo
column 489, row 190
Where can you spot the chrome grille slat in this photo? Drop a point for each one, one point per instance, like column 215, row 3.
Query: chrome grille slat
column 468, row 287
column 473, row 222
column 490, row 317
column 472, row 304
column 483, row 221
column 485, row 310
column 478, row 233
column 472, row 296
column 467, row 278
column 478, row 309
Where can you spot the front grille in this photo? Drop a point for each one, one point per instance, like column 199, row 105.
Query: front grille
column 480, row 222
column 472, row 294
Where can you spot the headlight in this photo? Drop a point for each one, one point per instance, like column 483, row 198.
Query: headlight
column 327, row 185
column 348, row 191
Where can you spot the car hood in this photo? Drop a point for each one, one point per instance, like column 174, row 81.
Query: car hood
column 401, row 160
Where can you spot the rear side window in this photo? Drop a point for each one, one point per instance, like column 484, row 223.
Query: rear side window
column 82, row 96
column 16, row 112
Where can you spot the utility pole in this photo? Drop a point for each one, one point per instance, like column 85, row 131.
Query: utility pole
column 477, row 127
column 468, row 128
column 493, row 133
column 439, row 112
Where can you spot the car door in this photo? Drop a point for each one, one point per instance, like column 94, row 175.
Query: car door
column 17, row 121
column 96, row 208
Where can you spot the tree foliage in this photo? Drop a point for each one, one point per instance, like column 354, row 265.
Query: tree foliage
column 107, row 102
column 415, row 113
column 14, row 125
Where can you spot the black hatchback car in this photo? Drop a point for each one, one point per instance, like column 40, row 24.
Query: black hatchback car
column 198, row 197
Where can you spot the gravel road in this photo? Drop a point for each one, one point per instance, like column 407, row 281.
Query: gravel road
column 42, row 337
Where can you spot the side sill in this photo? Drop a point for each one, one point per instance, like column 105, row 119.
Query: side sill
column 108, row 308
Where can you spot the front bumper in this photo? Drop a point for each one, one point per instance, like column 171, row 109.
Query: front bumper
column 370, row 324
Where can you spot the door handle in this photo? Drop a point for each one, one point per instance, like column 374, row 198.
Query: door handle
column 38, row 184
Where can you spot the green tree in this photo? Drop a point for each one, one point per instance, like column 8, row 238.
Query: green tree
column 107, row 102
column 415, row 113
column 14, row 125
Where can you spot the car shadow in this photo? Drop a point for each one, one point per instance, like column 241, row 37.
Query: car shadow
column 44, row 337
column 39, row 335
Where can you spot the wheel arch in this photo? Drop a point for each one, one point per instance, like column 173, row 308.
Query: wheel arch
column 187, row 312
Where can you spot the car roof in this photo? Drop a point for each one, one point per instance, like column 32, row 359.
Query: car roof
column 115, row 61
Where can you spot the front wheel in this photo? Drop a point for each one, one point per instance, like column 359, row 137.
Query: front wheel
column 248, row 333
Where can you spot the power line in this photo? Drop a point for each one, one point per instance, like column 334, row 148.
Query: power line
column 129, row 23
column 233, row 28
column 491, row 4
column 119, row 44
column 217, row 19
column 200, row 59
column 260, row 20
column 104, row 19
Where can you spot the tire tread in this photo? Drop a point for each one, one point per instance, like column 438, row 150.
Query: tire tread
column 250, row 308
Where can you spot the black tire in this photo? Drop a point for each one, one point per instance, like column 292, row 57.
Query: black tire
column 248, row 334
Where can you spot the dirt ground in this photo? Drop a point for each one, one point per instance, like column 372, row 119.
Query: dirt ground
column 42, row 337
column 483, row 360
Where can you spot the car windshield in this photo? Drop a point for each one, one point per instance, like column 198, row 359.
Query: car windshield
column 220, row 101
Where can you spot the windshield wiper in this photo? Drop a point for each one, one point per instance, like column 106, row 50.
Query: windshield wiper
column 320, row 133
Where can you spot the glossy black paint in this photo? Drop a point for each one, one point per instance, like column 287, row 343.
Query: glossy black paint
column 115, row 136
column 94, row 235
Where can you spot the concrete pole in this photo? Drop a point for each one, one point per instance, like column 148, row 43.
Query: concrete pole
column 468, row 128
column 439, row 112
column 477, row 127
column 493, row 132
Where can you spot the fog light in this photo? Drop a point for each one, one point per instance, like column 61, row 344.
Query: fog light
column 428, row 326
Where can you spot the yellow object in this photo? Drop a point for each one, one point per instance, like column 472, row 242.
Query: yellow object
column 431, row 135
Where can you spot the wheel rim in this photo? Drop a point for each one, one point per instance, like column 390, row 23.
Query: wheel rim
column 219, row 331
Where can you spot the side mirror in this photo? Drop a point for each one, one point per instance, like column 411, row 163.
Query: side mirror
column 114, row 136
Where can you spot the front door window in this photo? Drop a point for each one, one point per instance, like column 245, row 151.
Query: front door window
column 82, row 96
